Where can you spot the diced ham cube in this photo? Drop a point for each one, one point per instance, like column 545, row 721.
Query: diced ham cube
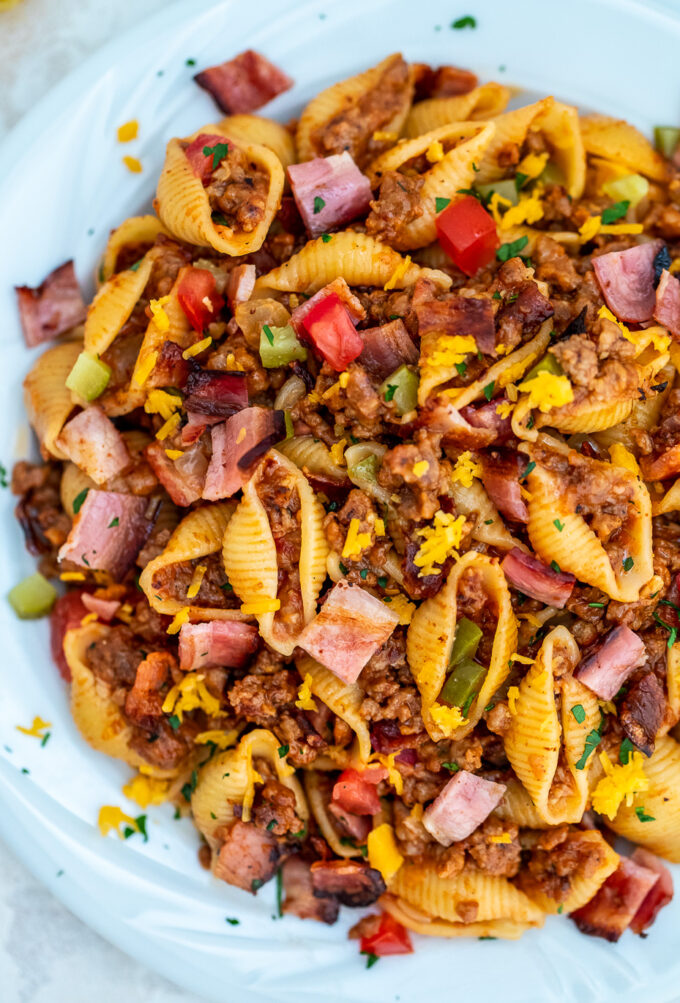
column 536, row 579
column 248, row 857
column 299, row 898
column 219, row 642
column 94, row 444
column 501, row 478
column 108, row 532
column 605, row 670
column 658, row 896
column 237, row 445
column 615, row 905
column 626, row 279
column 105, row 609
column 182, row 478
column 244, row 83
column 329, row 191
column 56, row 306
column 461, row 807
column 241, row 284
column 667, row 308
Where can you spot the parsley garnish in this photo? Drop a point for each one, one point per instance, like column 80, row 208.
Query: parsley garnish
column 451, row 767
column 468, row 703
column 231, row 921
column 497, row 296
column 441, row 203
column 527, row 470
column 520, row 179
column 114, row 522
column 511, row 250
column 218, row 152
column 596, row 605
column 628, row 563
column 382, row 581
column 283, row 750
column 560, row 909
column 190, row 786
column 464, row 22
column 363, row 573
column 191, row 62
column 271, row 825
column 592, row 741
column 256, row 883
column 672, row 631
column 487, row 522
column 488, row 390
column 133, row 268
column 78, row 500
column 558, row 525
column 319, row 203
column 140, row 821
column 625, row 750
column 84, row 560
column 326, row 237
column 556, row 568
column 213, row 815
column 370, row 959
column 643, row 817
column 614, row 212
column 219, row 217
column 3, row 476
column 391, row 390
column 45, row 739
column 178, row 813
column 579, row 713
column 174, row 722
column 268, row 333
column 342, row 567
column 461, row 368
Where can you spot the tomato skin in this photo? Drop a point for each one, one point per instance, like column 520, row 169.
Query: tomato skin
column 195, row 285
column 331, row 331
column 355, row 795
column 67, row 613
column 467, row 233
column 390, row 938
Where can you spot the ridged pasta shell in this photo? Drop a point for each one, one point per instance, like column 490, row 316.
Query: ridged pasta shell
column 577, row 548
column 417, row 921
column 661, row 801
column 310, row 454
column 488, row 527
column 315, row 790
column 256, row 129
column 583, row 886
column 199, row 533
column 359, row 259
column 178, row 331
column 184, row 207
column 340, row 96
column 511, row 127
column 343, row 699
column 113, row 304
column 560, row 125
column 47, row 401
column 479, row 104
column 620, row 142
column 430, row 639
column 228, row 780
column 644, row 414
column 584, row 416
column 134, row 230
column 541, row 734
column 516, row 806
column 464, row 144
column 250, row 560
column 670, row 501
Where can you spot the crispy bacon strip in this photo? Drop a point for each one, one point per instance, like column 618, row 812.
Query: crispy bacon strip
column 56, row 306
column 244, row 83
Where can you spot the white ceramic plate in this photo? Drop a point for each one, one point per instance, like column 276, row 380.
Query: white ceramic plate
column 63, row 188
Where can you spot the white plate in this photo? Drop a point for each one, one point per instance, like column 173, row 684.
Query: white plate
column 63, row 188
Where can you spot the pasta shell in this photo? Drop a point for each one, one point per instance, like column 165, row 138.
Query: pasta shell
column 317, row 790
column 545, row 741
column 343, row 699
column 417, row 921
column 583, row 885
column 431, row 634
column 660, row 803
column 113, row 304
column 250, row 560
column 199, row 534
column 617, row 141
column 257, row 130
column 134, row 230
column 227, row 781
column 312, row 456
column 73, row 482
column 481, row 103
column 559, row 124
column 516, row 806
column 178, row 331
column 359, row 259
column 47, row 400
column 583, row 416
column 184, row 207
column 342, row 96
column 511, row 128
column 644, row 414
column 488, row 527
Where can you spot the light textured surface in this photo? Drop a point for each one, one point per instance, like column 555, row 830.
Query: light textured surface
column 46, row 954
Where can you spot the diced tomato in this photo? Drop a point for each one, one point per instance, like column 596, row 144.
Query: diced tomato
column 330, row 328
column 389, row 938
column 356, row 795
column 198, row 298
column 202, row 165
column 67, row 613
column 468, row 234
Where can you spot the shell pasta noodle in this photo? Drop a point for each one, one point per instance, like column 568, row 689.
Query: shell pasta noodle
column 356, row 508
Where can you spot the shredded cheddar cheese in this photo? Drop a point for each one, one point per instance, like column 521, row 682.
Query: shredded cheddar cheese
column 505, row 409
column 37, row 729
column 421, row 468
column 466, row 469
column 379, row 527
column 434, row 152
column 400, row 605
column 383, row 853
column 675, row 266
column 594, row 226
column 656, row 335
column 337, row 452
column 343, row 380
column 440, row 541
column 168, row 427
column 160, row 317
column 502, row 838
column 393, row 774
column 128, row 131
column 513, row 693
column 133, row 164
column 162, row 403
column 88, row 618
column 196, row 349
column 179, row 620
column 547, row 390
column 305, row 700
column 72, row 576
column 622, row 457
column 398, row 273
column 381, row 136
column 450, row 350
column 222, row 739
column 523, row 659
column 191, row 694
column 174, row 454
column 590, row 228
column 532, row 165
column 496, row 203
column 258, row 606
column 447, row 718
column 111, row 818
column 144, row 369
column 145, row 790
column 241, row 436
column 621, row 782
column 196, row 580
column 528, row 210
column 355, row 542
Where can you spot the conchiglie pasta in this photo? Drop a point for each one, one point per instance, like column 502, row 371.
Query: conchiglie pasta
column 559, row 125
column 516, row 806
column 512, row 127
column 343, row 699
column 318, row 791
column 584, row 416
column 47, row 401
column 312, row 456
column 136, row 231
column 479, row 104
column 359, row 259
column 545, row 742
column 620, row 142
column 250, row 556
column 488, row 527
column 431, row 635
column 643, row 415
column 183, row 204
column 584, row 883
column 113, row 304
column 249, row 129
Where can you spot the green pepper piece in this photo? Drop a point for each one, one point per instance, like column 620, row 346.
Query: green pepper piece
column 548, row 364
column 280, row 345
column 89, row 377
column 463, row 683
column 466, row 641
column 666, row 139
column 33, row 597
column 366, row 469
column 631, row 188
column 401, row 387
column 551, row 175
column 507, row 189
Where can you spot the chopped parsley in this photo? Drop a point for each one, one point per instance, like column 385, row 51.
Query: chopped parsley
column 488, row 390
column 78, row 500
column 520, row 179
column 319, row 203
column 268, row 333
column 596, row 605
column 497, row 296
column 625, row 750
column 579, row 713
column 382, row 581
column 614, row 212
column 256, row 883
column 190, row 786
column 592, row 741
column 468, row 703
column 672, row 631
column 174, row 722
column 451, row 767
column 556, row 568
column 527, row 470
column 441, row 203
column 342, row 567
column 191, row 62
column 363, row 573
column 133, row 268
column 461, row 368
column 391, row 390
column 628, row 563
column 214, row 816
column 487, row 522
column 283, row 750
column 218, row 153
column 231, row 921
column 178, row 813
column 370, row 959
column 271, row 825
column 560, row 909
column 512, row 249
column 220, row 218
column 114, row 522
column 326, row 237
column 45, row 739
column 3, row 476
column 642, row 815
column 464, row 22
column 559, row 526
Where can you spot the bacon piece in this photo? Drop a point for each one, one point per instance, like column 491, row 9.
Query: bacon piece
column 144, row 703
column 616, row 903
column 608, row 664
column 660, row 468
column 216, row 393
column 386, row 348
column 460, row 315
column 356, row 827
column 347, row 881
column 501, row 473
column 237, row 445
column 299, row 897
column 486, row 416
column 461, row 807
column 386, row 737
column 641, row 712
column 667, row 308
column 94, row 444
column 658, row 896
column 108, row 532
column 350, row 627
column 219, row 642
column 447, row 81
column 417, row 585
column 171, row 369
column 241, row 284
column 54, row 307
column 182, row 478
column 345, row 294
column 329, row 191
column 440, row 415
column 535, row 579
column 202, row 163
column 196, row 426
column 105, row 609
column 244, row 83
column 248, row 857
column 67, row 613
column 626, row 279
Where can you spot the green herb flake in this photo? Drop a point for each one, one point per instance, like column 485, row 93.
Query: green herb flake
column 591, row 743
column 256, row 883
column 558, row 525
column 642, row 815
column 556, row 568
column 461, row 368
column 579, row 713
column 628, row 563
column 190, row 787
column 272, row 824
column 625, row 751
column 140, row 822
column 488, row 390
column 114, row 522
column 319, row 204
column 488, row 522
column 213, row 815
column 78, row 500
column 174, row 722
column 342, row 567
column 218, row 152
column 441, row 203
column 268, row 334
column 3, row 476
column 614, row 212
column 390, row 392
column 596, row 605
column 326, row 237
column 45, row 739
column 190, row 62
column 231, row 921
column 178, row 814
column 520, row 180
column 363, row 573
column 468, row 703
column 451, row 767
column 370, row 959
column 464, row 22
column 527, row 470
column 382, row 581
column 497, row 296
column 672, row 631
column 512, row 249
column 283, row 750
column 560, row 909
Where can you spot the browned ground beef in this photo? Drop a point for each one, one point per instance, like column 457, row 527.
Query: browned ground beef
column 398, row 204
column 39, row 511
column 238, row 191
column 173, row 580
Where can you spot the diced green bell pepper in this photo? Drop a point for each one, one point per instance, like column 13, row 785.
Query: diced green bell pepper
column 507, row 189
column 463, row 684
column 33, row 597
column 280, row 345
column 89, row 377
column 666, row 138
column 466, row 641
column 366, row 469
column 548, row 364
column 632, row 188
column 401, row 387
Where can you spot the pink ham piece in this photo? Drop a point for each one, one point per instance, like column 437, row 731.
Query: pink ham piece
column 613, row 908
column 212, row 392
column 626, row 279
column 248, row 858
column 461, row 807
column 182, row 478
column 501, row 477
column 329, row 191
column 237, row 445
column 241, row 284
column 386, row 348
column 108, row 532
column 94, row 444
column 54, row 307
column 440, row 415
column 200, row 162
column 105, row 609
column 219, row 642
column 342, row 291
column 605, row 669
column 658, row 896
column 350, row 627
column 244, row 83
column 300, row 899
column 486, row 416
column 667, row 307
column 356, row 827
column 196, row 426
column 535, row 579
